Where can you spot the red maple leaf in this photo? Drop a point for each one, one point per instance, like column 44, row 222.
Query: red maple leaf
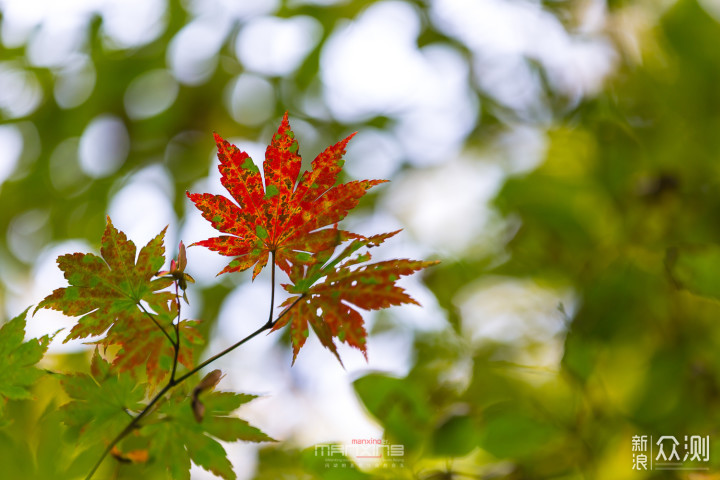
column 288, row 216
column 329, row 293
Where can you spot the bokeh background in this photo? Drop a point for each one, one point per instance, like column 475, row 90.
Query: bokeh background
column 559, row 157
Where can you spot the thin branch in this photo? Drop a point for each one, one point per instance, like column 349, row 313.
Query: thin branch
column 254, row 334
column 167, row 335
column 272, row 289
column 176, row 345
column 174, row 382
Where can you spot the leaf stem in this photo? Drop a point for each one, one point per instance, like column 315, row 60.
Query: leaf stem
column 272, row 289
column 176, row 325
column 176, row 381
column 167, row 335
column 254, row 334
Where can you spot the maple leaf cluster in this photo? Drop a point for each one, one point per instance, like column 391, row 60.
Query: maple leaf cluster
column 122, row 298
column 293, row 218
column 283, row 217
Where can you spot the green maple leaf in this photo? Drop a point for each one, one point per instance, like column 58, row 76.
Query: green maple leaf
column 102, row 403
column 106, row 292
column 17, row 359
column 176, row 437
column 289, row 214
column 330, row 292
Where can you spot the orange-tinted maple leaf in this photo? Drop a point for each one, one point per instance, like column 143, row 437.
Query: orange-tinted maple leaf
column 106, row 291
column 329, row 293
column 286, row 216
column 134, row 456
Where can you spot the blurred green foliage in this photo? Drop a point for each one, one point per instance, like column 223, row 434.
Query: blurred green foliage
column 622, row 212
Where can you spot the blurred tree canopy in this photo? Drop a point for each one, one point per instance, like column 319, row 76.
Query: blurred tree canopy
column 584, row 313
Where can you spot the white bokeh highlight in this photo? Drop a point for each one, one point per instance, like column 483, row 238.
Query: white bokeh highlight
column 21, row 19
column 74, row 82
column 150, row 94
column 66, row 176
column 519, row 312
column 104, row 146
column 505, row 36
column 54, row 44
column 192, row 53
column 446, row 207
column 277, row 46
column 250, row 99
column 232, row 8
column 11, row 147
column 373, row 153
column 371, row 66
column 142, row 207
column 20, row 91
column 132, row 23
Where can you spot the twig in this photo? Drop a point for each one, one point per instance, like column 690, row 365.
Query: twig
column 176, row 345
column 254, row 334
column 272, row 289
